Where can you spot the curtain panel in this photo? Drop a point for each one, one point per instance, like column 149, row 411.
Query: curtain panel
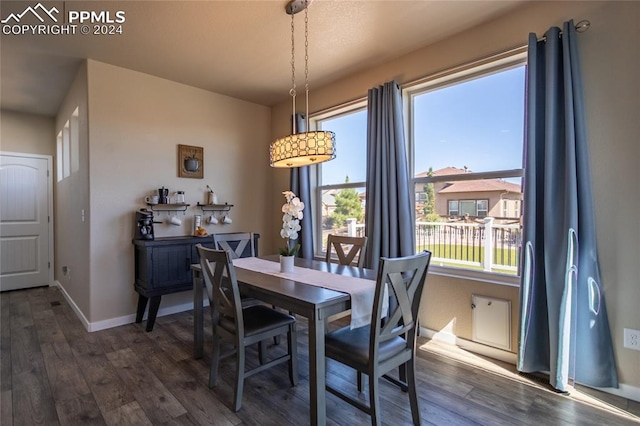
column 564, row 328
column 389, row 222
column 300, row 184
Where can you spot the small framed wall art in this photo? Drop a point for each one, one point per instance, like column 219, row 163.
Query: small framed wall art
column 190, row 161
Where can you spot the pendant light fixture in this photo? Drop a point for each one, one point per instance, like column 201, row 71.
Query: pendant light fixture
column 310, row 147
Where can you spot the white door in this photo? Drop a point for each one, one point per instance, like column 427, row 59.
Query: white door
column 24, row 221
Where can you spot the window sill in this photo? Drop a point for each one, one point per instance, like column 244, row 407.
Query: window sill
column 466, row 274
column 479, row 276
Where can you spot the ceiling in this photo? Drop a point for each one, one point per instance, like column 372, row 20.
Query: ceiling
column 238, row 48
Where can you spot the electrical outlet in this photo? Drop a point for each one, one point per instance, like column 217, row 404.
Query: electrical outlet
column 632, row 339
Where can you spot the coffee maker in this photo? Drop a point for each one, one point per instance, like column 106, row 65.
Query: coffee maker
column 144, row 225
column 163, row 195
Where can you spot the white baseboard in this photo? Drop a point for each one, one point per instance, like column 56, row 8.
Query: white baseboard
column 123, row 320
column 624, row 390
column 73, row 305
column 130, row 319
column 452, row 339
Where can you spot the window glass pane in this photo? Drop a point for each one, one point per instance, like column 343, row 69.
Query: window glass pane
column 342, row 212
column 453, row 208
column 59, row 157
column 482, row 208
column 351, row 149
column 66, row 151
column 477, row 124
column 467, row 207
column 461, row 127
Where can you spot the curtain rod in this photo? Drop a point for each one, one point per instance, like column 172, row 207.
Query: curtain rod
column 581, row 27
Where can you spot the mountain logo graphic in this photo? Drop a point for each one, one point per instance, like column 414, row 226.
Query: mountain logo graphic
column 34, row 11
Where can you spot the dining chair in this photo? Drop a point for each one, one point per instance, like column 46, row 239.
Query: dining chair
column 242, row 326
column 387, row 343
column 239, row 244
column 354, row 246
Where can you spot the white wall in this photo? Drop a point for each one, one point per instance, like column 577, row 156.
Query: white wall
column 26, row 133
column 136, row 123
column 71, row 197
column 610, row 63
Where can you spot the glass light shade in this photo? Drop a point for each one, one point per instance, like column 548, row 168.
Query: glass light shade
column 303, row 149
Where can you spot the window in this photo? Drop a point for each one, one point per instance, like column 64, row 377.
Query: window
column 68, row 147
column 340, row 194
column 482, row 207
column 453, row 208
column 466, row 138
column 465, row 141
column 66, row 151
column 59, row 156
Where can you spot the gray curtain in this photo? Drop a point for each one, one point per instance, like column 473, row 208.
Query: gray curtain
column 300, row 184
column 563, row 321
column 389, row 224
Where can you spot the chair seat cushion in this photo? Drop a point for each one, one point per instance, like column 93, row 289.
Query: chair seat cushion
column 258, row 319
column 351, row 347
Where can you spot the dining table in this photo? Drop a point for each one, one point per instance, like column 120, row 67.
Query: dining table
column 289, row 292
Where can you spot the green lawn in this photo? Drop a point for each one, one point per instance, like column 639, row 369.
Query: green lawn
column 470, row 254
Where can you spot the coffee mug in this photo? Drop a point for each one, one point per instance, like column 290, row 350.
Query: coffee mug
column 151, row 199
column 227, row 220
column 212, row 220
column 175, row 220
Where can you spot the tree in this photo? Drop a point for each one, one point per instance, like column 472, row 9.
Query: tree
column 429, row 209
column 348, row 205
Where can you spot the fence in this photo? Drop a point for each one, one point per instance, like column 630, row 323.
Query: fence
column 487, row 246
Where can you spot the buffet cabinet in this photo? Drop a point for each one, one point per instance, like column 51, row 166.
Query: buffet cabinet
column 163, row 266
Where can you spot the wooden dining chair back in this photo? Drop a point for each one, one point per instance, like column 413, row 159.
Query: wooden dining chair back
column 239, row 244
column 388, row 342
column 346, row 249
column 242, row 326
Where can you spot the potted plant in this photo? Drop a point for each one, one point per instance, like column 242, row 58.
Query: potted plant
column 292, row 214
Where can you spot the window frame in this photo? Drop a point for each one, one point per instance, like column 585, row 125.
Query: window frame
column 315, row 123
column 497, row 63
column 485, row 66
column 457, row 209
column 485, row 210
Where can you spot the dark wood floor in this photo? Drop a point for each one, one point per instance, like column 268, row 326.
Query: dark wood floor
column 54, row 372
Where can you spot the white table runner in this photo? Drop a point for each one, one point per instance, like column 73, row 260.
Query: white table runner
column 362, row 291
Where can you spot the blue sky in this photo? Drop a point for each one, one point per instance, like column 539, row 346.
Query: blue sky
column 478, row 124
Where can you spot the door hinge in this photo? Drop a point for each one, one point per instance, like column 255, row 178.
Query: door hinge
column 49, row 219
column 49, row 265
column 47, row 173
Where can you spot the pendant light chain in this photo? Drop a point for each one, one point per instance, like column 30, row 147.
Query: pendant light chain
column 306, row 64
column 292, row 92
column 303, row 147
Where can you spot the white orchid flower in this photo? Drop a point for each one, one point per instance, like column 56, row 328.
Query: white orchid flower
column 292, row 214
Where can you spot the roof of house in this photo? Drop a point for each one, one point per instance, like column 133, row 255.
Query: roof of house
column 482, row 185
column 444, row 172
column 479, row 185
